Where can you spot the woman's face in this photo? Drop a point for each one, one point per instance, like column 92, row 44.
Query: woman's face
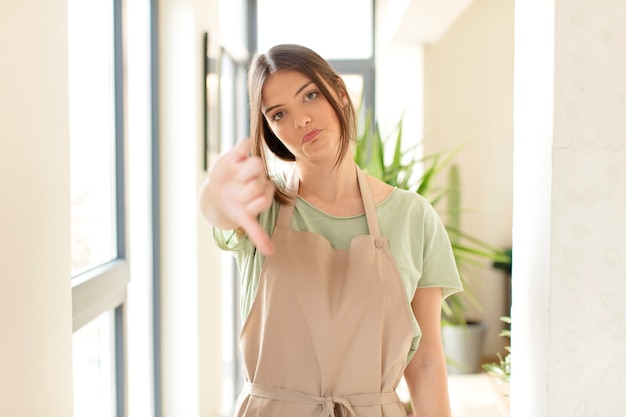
column 300, row 116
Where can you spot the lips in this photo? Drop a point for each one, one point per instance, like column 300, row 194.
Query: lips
column 311, row 135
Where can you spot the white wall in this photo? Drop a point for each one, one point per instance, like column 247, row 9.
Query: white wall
column 190, row 271
column 469, row 100
column 35, row 292
column 569, row 321
column 534, row 125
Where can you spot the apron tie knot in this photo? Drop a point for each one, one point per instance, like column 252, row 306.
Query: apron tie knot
column 330, row 406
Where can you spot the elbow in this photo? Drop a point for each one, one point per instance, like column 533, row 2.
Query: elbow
column 426, row 357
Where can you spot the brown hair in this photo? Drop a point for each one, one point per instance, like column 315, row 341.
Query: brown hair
column 298, row 58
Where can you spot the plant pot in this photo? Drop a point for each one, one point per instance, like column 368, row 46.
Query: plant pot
column 463, row 347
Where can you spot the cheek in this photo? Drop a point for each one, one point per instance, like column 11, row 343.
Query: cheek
column 283, row 132
column 330, row 114
column 275, row 128
column 282, row 136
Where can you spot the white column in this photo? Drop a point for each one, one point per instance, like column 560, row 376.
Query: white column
column 190, row 278
column 569, row 320
column 35, row 292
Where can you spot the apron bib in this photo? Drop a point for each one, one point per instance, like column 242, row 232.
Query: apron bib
column 329, row 330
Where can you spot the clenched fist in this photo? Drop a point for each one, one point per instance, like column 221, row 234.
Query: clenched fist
column 236, row 191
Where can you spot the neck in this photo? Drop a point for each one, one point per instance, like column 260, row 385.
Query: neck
column 328, row 183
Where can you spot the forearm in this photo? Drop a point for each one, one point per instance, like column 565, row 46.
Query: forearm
column 428, row 387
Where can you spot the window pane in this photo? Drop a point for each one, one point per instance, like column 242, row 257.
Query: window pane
column 94, row 374
column 334, row 29
column 354, row 84
column 92, row 132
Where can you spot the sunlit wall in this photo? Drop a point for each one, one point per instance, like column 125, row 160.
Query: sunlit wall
column 569, row 331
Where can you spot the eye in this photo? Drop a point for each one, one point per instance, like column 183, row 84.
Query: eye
column 277, row 116
column 311, row 95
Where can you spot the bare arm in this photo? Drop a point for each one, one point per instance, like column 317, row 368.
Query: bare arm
column 426, row 375
column 235, row 192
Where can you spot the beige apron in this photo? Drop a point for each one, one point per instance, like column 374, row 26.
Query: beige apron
column 329, row 330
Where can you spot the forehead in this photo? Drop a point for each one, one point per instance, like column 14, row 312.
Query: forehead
column 282, row 85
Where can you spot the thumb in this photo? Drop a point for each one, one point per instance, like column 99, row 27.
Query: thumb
column 258, row 236
column 243, row 148
column 255, row 232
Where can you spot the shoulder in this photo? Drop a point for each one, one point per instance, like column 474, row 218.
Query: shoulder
column 380, row 190
column 409, row 212
column 409, row 202
column 399, row 203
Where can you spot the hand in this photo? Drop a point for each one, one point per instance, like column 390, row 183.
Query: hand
column 241, row 190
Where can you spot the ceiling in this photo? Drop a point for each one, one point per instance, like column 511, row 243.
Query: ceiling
column 420, row 21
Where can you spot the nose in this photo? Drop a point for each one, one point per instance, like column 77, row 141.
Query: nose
column 302, row 119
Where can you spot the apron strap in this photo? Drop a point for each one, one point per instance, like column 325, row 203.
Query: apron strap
column 328, row 403
column 285, row 212
column 368, row 203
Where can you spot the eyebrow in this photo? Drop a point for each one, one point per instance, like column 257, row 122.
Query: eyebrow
column 269, row 109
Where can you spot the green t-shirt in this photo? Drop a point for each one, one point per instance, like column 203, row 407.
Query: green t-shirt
column 417, row 238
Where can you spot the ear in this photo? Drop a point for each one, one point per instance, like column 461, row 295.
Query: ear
column 343, row 95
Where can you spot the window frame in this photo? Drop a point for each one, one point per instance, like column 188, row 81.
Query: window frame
column 239, row 127
column 103, row 288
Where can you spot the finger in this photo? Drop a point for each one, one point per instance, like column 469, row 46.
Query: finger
column 259, row 203
column 257, row 235
column 251, row 168
column 254, row 188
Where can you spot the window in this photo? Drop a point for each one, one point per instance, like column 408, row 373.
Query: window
column 334, row 29
column 92, row 133
column 94, row 369
column 99, row 270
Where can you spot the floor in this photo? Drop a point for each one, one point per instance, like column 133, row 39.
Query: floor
column 472, row 395
column 477, row 395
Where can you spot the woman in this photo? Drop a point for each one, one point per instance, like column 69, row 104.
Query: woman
column 337, row 267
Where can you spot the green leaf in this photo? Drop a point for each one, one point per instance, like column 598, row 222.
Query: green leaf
column 399, row 172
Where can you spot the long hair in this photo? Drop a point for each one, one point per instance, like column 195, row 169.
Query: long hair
column 298, row 58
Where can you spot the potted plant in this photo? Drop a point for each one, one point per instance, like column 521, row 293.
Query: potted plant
column 500, row 371
column 398, row 171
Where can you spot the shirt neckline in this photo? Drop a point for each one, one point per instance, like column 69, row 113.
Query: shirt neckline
column 356, row 216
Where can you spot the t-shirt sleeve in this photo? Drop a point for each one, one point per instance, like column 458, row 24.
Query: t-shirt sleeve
column 237, row 240
column 229, row 240
column 439, row 267
column 249, row 260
